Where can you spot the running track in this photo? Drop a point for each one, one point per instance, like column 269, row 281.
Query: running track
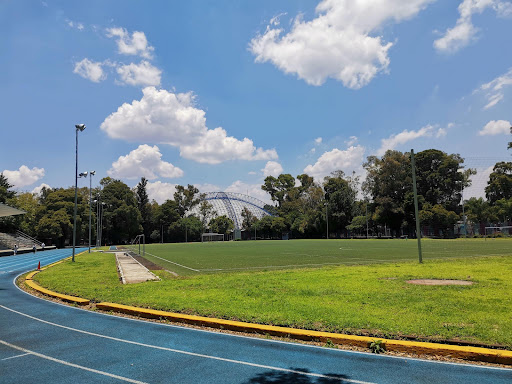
column 45, row 342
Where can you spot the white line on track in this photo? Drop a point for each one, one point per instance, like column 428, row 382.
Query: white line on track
column 71, row 364
column 14, row 357
column 188, row 353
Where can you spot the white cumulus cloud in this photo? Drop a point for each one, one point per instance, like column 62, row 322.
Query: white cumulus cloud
column 495, row 89
column 498, row 127
column 272, row 168
column 164, row 117
column 405, row 136
column 90, row 70
column 37, row 190
column 23, row 176
column 160, row 192
column 145, row 161
column 340, row 43
column 464, row 32
column 137, row 44
column 139, row 74
column 347, row 160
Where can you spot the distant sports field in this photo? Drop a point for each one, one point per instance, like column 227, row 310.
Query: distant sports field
column 214, row 257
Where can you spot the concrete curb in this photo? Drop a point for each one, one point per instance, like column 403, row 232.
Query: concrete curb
column 70, row 299
column 412, row 347
column 420, row 348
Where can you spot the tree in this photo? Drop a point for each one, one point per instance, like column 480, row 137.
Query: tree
column 206, row 212
column 28, row 203
column 143, row 205
column 58, row 210
column 186, row 229
column 477, row 210
column 438, row 178
column 503, row 210
column 439, row 218
column 222, row 224
column 499, row 185
column 185, row 198
column 5, row 193
column 56, row 226
column 340, row 195
column 388, row 181
column 510, row 142
column 121, row 216
column 279, row 187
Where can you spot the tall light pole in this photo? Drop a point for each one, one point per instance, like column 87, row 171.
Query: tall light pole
column 91, row 174
column 327, row 219
column 78, row 127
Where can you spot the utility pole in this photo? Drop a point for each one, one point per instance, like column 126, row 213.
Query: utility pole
column 416, row 211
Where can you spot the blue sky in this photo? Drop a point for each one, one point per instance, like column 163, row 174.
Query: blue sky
column 221, row 94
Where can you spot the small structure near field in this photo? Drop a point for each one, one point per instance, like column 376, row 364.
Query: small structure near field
column 205, row 237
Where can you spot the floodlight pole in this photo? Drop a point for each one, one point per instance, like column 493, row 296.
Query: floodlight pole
column 78, row 127
column 366, row 205
column 416, row 211
column 91, row 173
column 327, row 219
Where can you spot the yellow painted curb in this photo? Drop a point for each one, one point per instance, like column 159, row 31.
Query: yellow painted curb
column 71, row 299
column 37, row 287
column 436, row 349
column 31, row 275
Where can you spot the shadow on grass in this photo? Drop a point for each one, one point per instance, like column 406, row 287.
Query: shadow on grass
column 273, row 377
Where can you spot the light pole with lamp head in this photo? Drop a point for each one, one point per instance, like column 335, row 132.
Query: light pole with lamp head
column 78, row 127
column 91, row 174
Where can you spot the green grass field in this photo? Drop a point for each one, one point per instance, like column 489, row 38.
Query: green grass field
column 360, row 299
column 214, row 257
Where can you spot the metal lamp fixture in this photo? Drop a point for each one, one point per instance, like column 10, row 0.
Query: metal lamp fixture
column 78, row 127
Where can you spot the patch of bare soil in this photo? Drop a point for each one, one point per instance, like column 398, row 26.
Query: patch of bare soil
column 439, row 282
column 145, row 262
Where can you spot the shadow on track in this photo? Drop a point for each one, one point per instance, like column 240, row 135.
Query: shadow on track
column 273, row 377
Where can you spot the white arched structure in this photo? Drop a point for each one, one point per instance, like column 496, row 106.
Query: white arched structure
column 231, row 204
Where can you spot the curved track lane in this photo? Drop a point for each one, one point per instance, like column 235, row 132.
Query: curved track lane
column 46, row 342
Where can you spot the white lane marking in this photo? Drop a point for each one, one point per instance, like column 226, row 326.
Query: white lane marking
column 172, row 262
column 13, row 357
column 26, row 261
column 188, row 353
column 71, row 364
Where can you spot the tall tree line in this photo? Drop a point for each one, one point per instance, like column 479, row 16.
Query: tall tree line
column 339, row 205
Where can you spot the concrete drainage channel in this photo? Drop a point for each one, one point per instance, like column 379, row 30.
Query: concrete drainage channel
column 126, row 263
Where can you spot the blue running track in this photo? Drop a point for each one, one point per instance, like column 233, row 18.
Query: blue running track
column 44, row 342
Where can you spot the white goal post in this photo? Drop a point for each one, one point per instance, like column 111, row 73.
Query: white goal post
column 138, row 240
column 506, row 230
column 205, row 237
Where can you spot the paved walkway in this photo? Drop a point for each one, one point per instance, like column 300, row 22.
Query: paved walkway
column 131, row 270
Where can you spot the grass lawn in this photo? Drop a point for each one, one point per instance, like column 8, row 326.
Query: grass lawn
column 359, row 299
column 214, row 257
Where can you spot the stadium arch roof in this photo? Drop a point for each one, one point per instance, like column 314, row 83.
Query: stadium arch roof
column 231, row 204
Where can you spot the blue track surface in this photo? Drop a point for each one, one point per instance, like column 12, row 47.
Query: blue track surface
column 45, row 342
